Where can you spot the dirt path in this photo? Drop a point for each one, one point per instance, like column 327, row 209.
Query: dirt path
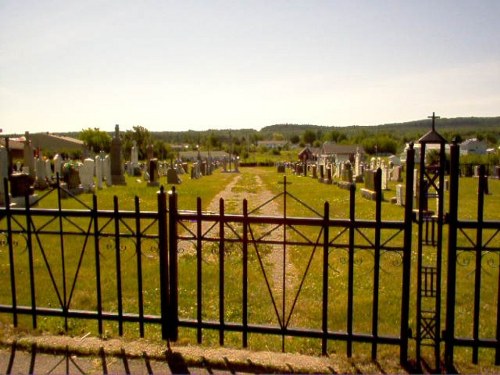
column 252, row 188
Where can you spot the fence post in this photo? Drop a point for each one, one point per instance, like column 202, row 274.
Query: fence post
column 376, row 267
column 164, row 274
column 245, row 274
column 29, row 244
column 172, row 265
column 408, row 224
column 11, row 252
column 449, row 335
column 97, row 255
column 479, row 247
column 350, row 276
column 326, row 239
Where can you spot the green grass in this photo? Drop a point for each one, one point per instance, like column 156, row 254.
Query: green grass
column 307, row 312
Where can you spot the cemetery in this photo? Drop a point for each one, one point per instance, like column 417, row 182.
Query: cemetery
column 350, row 254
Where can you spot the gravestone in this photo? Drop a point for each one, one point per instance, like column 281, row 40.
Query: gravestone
column 20, row 187
column 71, row 175
column 29, row 157
column 329, row 175
column 237, row 165
column 369, row 191
column 107, row 170
column 385, row 176
column 400, row 195
column 86, row 173
column 396, row 174
column 314, row 171
column 153, row 172
column 40, row 173
column 149, row 152
column 117, row 177
column 357, row 163
column 48, row 169
column 57, row 164
column 373, row 163
column 99, row 171
column 281, row 168
column 172, row 176
column 134, row 159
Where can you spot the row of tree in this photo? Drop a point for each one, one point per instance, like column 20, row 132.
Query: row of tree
column 384, row 139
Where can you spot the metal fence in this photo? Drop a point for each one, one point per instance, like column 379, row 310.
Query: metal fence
column 232, row 278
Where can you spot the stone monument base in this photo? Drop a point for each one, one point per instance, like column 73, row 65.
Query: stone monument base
column 370, row 194
column 20, row 202
column 118, row 179
column 345, row 185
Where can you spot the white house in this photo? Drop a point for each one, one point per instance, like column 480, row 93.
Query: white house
column 473, row 146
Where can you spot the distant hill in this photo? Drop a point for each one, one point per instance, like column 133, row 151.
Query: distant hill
column 404, row 131
column 462, row 125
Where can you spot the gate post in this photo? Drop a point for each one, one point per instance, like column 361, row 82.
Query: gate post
column 168, row 264
column 452, row 254
column 405, row 300
column 172, row 255
column 164, row 274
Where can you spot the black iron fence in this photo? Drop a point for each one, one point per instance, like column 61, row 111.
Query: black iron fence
column 232, row 278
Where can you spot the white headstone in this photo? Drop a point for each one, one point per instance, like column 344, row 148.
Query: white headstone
column 400, row 195
column 415, row 182
column 87, row 174
column 98, row 171
column 48, row 169
column 107, row 170
column 57, row 164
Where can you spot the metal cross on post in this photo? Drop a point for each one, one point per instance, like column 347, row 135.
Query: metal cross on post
column 433, row 117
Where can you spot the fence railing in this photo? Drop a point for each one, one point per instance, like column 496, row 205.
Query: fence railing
column 237, row 278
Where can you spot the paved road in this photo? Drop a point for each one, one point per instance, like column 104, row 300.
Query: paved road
column 16, row 361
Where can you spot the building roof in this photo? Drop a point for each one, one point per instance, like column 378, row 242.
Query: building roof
column 330, row 148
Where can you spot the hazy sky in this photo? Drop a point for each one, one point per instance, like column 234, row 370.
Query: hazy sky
column 178, row 65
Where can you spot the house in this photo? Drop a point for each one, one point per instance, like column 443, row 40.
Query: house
column 16, row 147
column 473, row 146
column 430, row 147
column 335, row 152
column 54, row 143
column 203, row 155
column 272, row 144
column 309, row 153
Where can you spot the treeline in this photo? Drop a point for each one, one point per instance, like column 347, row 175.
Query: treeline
column 381, row 139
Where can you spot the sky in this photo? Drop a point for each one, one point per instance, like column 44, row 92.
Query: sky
column 169, row 65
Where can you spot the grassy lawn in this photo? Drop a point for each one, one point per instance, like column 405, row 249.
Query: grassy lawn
column 303, row 265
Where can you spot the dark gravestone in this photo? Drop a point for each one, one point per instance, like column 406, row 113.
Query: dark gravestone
column 369, row 190
column 117, row 177
column 281, row 168
column 328, row 175
column 20, row 185
column 172, row 177
column 153, row 173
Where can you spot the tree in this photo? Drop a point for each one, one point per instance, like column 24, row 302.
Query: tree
column 96, row 139
column 309, row 137
column 295, row 139
column 141, row 136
